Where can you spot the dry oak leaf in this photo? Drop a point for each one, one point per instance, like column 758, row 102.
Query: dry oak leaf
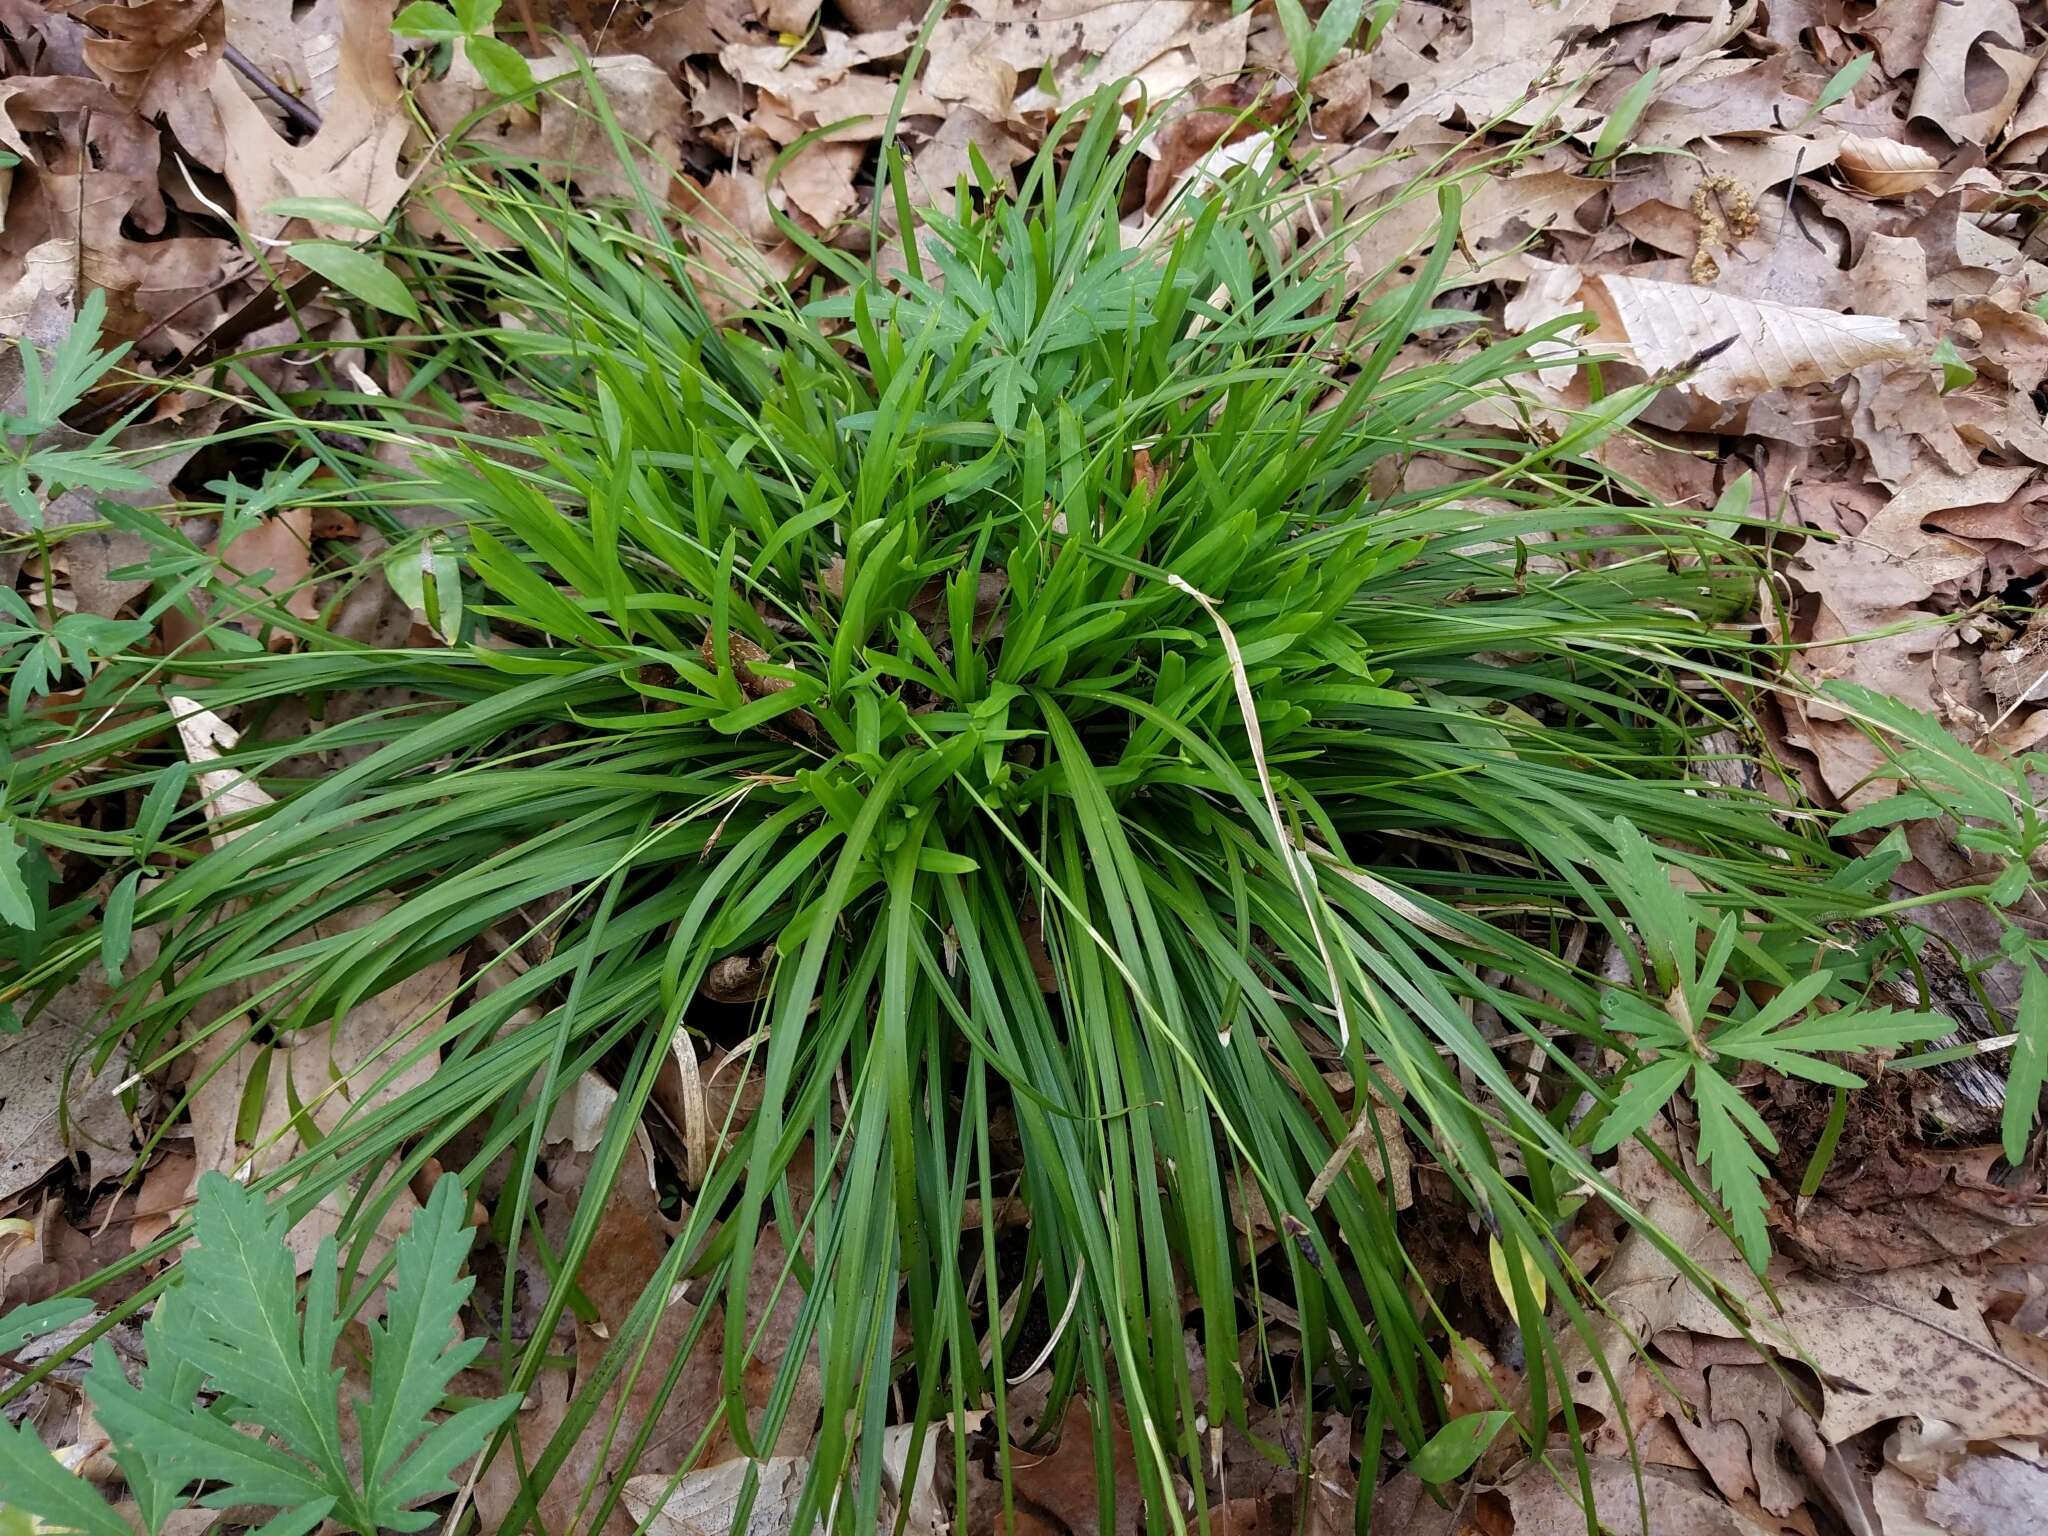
column 1975, row 69
column 160, row 58
column 1903, row 1344
column 1515, row 44
column 1679, row 1503
column 1885, row 167
column 1663, row 326
column 52, row 1104
column 1979, row 1496
column 1895, row 560
column 354, row 156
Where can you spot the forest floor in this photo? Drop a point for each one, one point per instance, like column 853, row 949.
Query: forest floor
column 1849, row 195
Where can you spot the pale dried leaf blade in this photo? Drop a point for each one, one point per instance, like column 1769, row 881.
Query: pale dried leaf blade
column 1768, row 346
column 206, row 736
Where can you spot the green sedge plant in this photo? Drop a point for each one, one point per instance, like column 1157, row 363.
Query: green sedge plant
column 1042, row 665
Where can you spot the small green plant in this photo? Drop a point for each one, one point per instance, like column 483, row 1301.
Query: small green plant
column 227, row 1347
column 1687, row 1039
column 502, row 68
column 1987, row 805
column 1614, row 134
column 40, row 458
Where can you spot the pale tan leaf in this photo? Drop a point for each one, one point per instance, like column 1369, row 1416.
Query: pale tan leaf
column 52, row 1104
column 206, row 736
column 1885, row 167
column 1678, row 1505
column 1663, row 326
column 705, row 1501
column 1976, row 67
column 354, row 156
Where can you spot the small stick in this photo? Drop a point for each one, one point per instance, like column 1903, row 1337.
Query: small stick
column 284, row 100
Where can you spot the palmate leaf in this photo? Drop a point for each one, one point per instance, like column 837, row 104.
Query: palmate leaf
column 34, row 1482
column 1730, row 1131
column 412, row 1362
column 156, row 1477
column 241, row 1325
column 233, row 1327
column 1774, row 1036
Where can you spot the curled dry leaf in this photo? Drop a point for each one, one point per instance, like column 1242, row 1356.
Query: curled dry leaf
column 1885, row 167
column 1665, row 326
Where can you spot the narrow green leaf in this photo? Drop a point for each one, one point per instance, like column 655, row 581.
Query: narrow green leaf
column 117, row 923
column 1955, row 373
column 1840, row 84
column 326, row 210
column 1628, row 111
column 2029, row 1069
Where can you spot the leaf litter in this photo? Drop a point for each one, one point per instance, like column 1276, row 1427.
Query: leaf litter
column 1820, row 223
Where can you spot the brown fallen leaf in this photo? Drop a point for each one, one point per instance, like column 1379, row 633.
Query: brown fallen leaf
column 705, row 1500
column 1058, row 1483
column 1663, row 326
column 324, row 1074
column 1976, row 67
column 356, row 154
column 1515, row 47
column 1912, row 1208
column 632, row 1239
column 1893, row 1346
column 702, row 1502
column 160, row 58
column 818, row 182
column 1885, row 167
column 742, row 253
column 282, row 546
column 54, row 1105
column 1679, row 1504
column 1897, row 560
column 1977, row 1496
column 88, row 193
column 1642, row 1292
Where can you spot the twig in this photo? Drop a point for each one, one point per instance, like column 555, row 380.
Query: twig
column 283, row 99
